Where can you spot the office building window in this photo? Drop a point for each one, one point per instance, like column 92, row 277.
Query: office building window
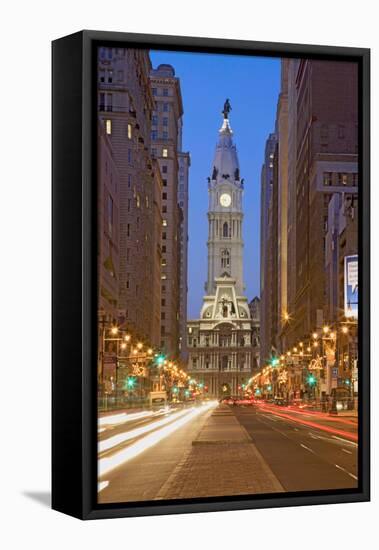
column 129, row 156
column 155, row 91
column 164, row 196
column 164, row 169
column 108, row 126
column 165, row 136
column 129, row 131
column 165, row 92
column 109, row 102
column 154, row 120
column 164, row 209
column 342, row 179
column 164, row 223
column 129, row 181
column 328, row 179
column 166, row 107
column 164, row 182
column 165, row 121
column 154, row 135
column 128, row 230
column 164, row 152
column 164, row 236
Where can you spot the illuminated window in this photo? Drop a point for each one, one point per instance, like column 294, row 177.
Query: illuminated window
column 163, row 276
column 165, row 152
column 108, row 126
column 164, row 223
column 129, row 131
column 164, row 261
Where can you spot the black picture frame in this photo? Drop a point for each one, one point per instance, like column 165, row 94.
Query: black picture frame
column 74, row 415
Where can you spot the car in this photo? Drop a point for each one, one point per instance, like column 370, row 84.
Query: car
column 281, row 401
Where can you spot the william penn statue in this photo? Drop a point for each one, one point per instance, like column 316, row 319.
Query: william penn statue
column 227, row 108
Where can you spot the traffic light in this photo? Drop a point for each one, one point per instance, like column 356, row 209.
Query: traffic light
column 160, row 359
column 311, row 380
column 130, row 382
column 175, row 389
column 274, row 361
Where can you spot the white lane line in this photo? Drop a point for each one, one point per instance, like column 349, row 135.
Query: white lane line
column 346, row 451
column 307, row 448
column 101, row 485
column 346, row 472
column 106, row 444
column 345, row 440
column 107, row 464
column 269, row 417
column 276, row 429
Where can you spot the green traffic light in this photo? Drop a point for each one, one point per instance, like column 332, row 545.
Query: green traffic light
column 160, row 359
column 311, row 380
column 130, row 383
column 274, row 361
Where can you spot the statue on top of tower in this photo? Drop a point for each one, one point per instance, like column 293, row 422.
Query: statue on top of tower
column 227, row 108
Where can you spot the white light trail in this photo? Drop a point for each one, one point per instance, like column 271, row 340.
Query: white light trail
column 106, row 444
column 109, row 463
column 101, row 485
column 128, row 417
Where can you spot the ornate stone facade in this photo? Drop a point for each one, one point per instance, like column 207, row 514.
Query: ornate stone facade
column 220, row 342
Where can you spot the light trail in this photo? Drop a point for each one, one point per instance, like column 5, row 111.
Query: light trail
column 128, row 417
column 321, row 427
column 106, row 444
column 324, row 416
column 107, row 464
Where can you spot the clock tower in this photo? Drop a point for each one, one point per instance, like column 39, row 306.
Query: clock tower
column 222, row 351
column 225, row 244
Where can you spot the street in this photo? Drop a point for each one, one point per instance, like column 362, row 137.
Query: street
column 214, row 449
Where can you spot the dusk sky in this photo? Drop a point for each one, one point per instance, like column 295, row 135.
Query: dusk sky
column 252, row 85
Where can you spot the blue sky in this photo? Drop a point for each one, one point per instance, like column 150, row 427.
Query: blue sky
column 252, row 85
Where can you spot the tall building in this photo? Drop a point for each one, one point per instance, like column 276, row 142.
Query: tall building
column 326, row 163
column 255, row 314
column 125, row 105
column 183, row 198
column 108, row 250
column 166, row 130
column 219, row 342
column 310, row 223
column 266, row 259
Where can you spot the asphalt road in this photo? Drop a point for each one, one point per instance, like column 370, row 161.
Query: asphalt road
column 140, row 477
column 306, row 451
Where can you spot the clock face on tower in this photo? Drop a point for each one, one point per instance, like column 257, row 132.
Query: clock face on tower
column 225, row 200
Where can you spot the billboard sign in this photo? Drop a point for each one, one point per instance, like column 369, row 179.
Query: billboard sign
column 351, row 286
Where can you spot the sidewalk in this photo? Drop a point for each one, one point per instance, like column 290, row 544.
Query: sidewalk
column 223, row 461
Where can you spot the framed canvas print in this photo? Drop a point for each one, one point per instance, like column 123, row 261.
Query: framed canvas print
column 210, row 243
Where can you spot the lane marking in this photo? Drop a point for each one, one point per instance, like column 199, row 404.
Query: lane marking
column 101, row 485
column 109, row 463
column 346, row 472
column 346, row 451
column 307, row 448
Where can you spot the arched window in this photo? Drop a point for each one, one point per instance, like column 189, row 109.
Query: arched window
column 225, row 258
column 225, row 230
